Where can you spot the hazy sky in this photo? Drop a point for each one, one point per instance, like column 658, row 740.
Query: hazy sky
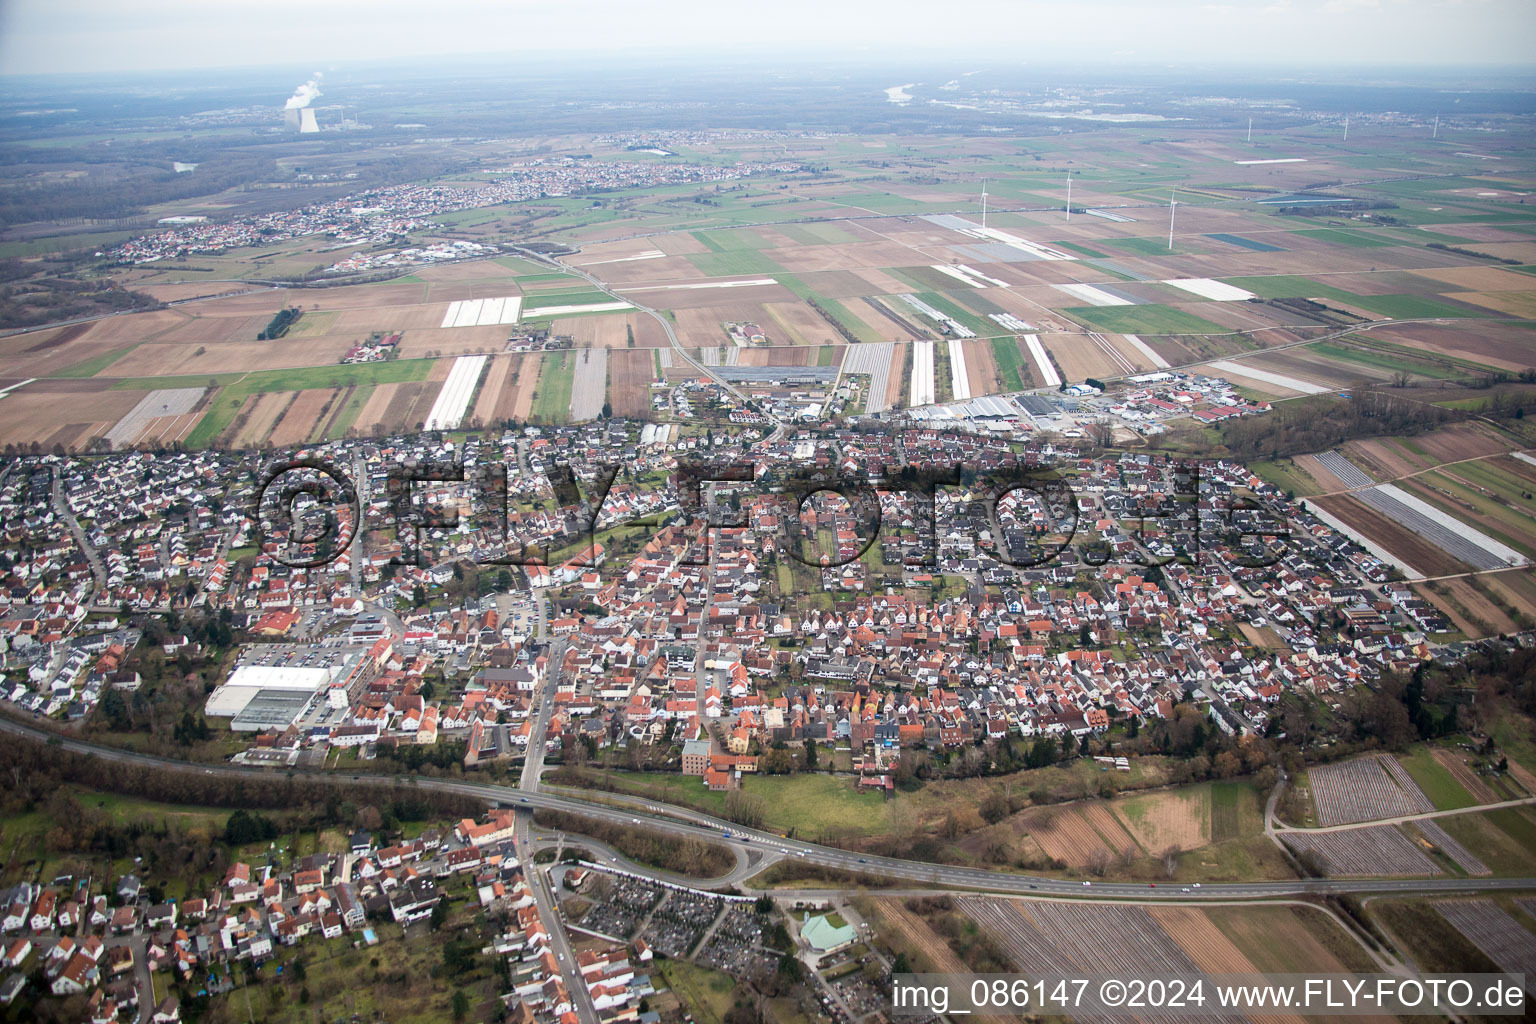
column 106, row 35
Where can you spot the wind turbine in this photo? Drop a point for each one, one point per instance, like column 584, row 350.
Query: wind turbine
column 1173, row 203
column 1436, row 133
column 1346, row 129
column 983, row 204
column 1069, row 196
column 1250, row 129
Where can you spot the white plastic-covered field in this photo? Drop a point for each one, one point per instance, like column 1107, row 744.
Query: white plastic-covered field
column 448, row 411
column 950, row 324
column 969, row 275
column 1280, row 380
column 921, row 391
column 751, row 282
column 482, row 312
column 1093, row 296
column 1048, row 375
column 958, row 275
column 1022, row 246
column 595, row 307
column 1209, row 289
column 1147, row 351
column 874, row 360
column 960, row 384
column 1445, row 531
column 589, row 384
column 1011, row 322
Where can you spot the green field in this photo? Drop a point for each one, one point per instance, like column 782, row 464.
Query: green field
column 91, row 367
column 1291, row 286
column 730, row 241
column 565, row 297
column 1409, row 307
column 737, row 262
column 1442, row 789
column 944, row 304
column 1234, row 810
column 552, row 403
column 1010, row 363
column 1357, row 239
column 1155, row 246
column 817, row 234
column 1081, row 250
column 228, row 401
column 348, row 414
column 1148, row 319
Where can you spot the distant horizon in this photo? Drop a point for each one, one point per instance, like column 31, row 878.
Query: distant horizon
column 46, row 37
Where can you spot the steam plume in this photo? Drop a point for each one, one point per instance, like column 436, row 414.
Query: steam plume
column 304, row 94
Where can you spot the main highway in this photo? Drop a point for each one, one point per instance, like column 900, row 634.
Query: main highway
column 770, row 846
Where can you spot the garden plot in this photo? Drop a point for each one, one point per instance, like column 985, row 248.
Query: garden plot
column 874, row 360
column 1365, row 789
column 1446, row 532
column 1209, row 289
column 1491, row 929
column 960, row 381
column 1093, row 296
column 452, row 401
column 1363, row 852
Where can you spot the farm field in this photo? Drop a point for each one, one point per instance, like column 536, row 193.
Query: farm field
column 1418, row 556
column 1444, row 843
column 629, row 383
column 1365, row 789
column 1067, row 938
column 1363, row 852
column 1494, row 931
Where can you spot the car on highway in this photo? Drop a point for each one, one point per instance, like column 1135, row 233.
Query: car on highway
column 1087, row 883
column 635, row 821
column 1185, row 889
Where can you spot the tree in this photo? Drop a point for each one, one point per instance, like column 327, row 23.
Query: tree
column 1170, row 858
column 1098, row 861
column 439, row 914
column 460, row 1005
column 810, row 755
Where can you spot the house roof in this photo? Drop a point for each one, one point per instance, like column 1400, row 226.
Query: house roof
column 823, row 935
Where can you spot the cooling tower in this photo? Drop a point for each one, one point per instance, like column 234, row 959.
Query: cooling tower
column 291, row 119
column 307, row 123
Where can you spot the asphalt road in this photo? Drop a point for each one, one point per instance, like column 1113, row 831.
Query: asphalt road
column 657, row 816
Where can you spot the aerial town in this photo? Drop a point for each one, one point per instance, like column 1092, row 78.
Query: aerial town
column 669, row 524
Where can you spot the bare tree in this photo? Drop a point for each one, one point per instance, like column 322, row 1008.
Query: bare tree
column 1170, row 857
column 1098, row 861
